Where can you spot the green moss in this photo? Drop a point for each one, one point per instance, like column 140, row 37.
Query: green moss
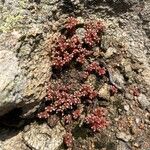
column 10, row 23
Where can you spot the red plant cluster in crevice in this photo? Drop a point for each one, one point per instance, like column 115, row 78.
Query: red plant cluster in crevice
column 64, row 103
column 97, row 119
column 67, row 101
column 71, row 23
column 71, row 46
column 94, row 67
column 92, row 30
column 68, row 140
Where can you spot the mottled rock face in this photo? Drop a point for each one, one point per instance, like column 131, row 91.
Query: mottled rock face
column 22, row 52
column 25, row 65
column 22, row 36
column 34, row 136
column 44, row 138
column 11, row 81
column 24, row 71
column 145, row 15
column 35, row 65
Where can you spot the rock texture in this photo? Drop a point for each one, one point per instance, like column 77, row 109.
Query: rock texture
column 44, row 138
column 11, row 81
column 25, row 68
column 34, row 136
column 25, row 64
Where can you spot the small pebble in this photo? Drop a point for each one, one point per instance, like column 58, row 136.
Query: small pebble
column 104, row 92
column 136, row 145
column 137, row 120
column 128, row 68
column 123, row 136
column 122, row 146
column 110, row 51
column 127, row 108
column 144, row 102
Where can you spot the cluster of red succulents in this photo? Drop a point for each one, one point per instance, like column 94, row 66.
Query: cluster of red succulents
column 65, row 101
column 70, row 46
column 61, row 101
column 92, row 30
column 68, row 139
column 88, row 92
column 94, row 67
column 71, row 23
column 96, row 119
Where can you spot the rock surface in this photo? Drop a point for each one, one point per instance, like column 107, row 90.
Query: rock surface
column 123, row 136
column 43, row 138
column 144, row 102
column 34, row 136
column 25, row 67
column 25, row 64
column 23, row 73
column 11, row 81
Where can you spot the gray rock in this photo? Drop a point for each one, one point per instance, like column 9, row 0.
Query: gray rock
column 137, row 120
column 146, row 75
column 1, row 145
column 24, row 70
column 13, row 143
column 91, row 80
column 34, row 136
column 128, row 96
column 11, row 81
column 26, row 60
column 43, row 138
column 145, row 16
column 104, row 92
column 75, row 2
column 118, row 79
column 127, row 108
column 144, row 102
column 123, row 146
column 133, row 38
column 123, row 136
column 110, row 51
column 80, row 33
